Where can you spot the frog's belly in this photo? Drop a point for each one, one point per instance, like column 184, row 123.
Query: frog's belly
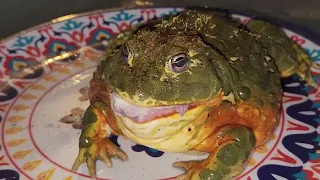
column 171, row 134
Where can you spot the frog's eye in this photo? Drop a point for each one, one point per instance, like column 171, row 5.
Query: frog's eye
column 179, row 63
column 125, row 53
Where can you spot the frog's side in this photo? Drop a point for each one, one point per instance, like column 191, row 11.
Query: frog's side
column 216, row 87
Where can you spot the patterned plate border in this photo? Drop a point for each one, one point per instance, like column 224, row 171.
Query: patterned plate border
column 295, row 94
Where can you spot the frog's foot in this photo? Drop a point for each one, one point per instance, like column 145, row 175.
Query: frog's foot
column 305, row 63
column 101, row 149
column 227, row 160
column 94, row 143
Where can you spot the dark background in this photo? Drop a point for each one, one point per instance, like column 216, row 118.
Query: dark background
column 17, row 15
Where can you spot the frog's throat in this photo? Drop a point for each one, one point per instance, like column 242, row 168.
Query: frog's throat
column 172, row 132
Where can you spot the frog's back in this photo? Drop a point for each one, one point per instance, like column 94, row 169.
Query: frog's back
column 253, row 75
column 244, row 66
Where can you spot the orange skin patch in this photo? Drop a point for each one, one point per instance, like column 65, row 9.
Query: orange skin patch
column 99, row 91
column 261, row 121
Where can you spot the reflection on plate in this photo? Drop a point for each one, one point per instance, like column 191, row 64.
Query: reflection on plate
column 40, row 112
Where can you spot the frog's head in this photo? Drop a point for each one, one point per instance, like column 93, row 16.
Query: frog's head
column 163, row 67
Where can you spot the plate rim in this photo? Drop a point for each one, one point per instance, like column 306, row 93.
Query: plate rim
column 305, row 32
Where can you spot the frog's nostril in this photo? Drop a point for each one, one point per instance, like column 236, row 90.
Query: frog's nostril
column 154, row 77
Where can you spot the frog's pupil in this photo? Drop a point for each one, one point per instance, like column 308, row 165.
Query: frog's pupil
column 125, row 53
column 180, row 61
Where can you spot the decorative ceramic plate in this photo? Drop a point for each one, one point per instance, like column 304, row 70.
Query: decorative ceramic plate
column 42, row 101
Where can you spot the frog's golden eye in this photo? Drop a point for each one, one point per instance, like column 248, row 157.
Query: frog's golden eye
column 179, row 63
column 125, row 54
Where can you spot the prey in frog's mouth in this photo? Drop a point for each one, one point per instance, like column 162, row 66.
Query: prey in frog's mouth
column 142, row 114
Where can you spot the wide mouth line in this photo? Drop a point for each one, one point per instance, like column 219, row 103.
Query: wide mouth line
column 143, row 114
column 114, row 93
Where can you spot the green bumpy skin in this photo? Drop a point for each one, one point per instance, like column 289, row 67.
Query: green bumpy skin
column 230, row 158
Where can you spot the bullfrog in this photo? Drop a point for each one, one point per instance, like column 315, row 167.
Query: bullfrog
column 195, row 82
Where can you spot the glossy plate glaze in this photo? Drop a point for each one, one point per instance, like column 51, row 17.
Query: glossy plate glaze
column 41, row 103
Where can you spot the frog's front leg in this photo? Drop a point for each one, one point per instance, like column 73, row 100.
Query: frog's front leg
column 94, row 143
column 227, row 160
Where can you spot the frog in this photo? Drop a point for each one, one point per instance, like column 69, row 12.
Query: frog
column 195, row 82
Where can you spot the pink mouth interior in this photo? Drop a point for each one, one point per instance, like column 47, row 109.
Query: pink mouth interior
column 143, row 114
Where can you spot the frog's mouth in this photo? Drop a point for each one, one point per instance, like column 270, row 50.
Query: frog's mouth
column 144, row 114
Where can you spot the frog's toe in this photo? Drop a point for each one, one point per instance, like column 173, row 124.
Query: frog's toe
column 186, row 165
column 101, row 149
column 86, row 156
column 105, row 158
column 79, row 160
column 112, row 150
column 91, row 164
column 198, row 170
column 189, row 167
